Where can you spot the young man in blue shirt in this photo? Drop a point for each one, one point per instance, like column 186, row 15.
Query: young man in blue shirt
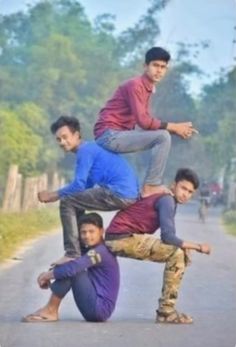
column 93, row 278
column 102, row 181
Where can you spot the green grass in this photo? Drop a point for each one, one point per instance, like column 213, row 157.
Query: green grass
column 229, row 219
column 15, row 228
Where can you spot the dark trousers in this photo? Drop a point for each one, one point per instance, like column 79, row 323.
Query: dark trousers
column 84, row 294
column 72, row 207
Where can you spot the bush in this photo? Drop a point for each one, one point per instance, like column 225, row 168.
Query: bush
column 15, row 228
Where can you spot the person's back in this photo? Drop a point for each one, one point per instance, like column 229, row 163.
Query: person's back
column 106, row 169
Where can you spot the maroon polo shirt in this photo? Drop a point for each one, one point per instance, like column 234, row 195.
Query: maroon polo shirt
column 129, row 106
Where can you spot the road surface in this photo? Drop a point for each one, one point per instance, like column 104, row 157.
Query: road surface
column 208, row 293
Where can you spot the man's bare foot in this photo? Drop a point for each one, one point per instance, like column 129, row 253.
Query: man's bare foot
column 45, row 314
column 150, row 190
column 60, row 261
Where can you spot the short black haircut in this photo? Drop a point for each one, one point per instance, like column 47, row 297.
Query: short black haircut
column 70, row 122
column 187, row 175
column 157, row 53
column 91, row 218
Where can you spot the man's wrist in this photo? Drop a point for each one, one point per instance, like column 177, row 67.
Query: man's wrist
column 199, row 248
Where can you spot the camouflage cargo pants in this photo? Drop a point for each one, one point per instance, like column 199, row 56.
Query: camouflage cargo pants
column 148, row 247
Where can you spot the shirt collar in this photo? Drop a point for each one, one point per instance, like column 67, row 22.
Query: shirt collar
column 149, row 85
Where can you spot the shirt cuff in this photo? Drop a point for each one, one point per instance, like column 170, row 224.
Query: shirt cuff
column 163, row 125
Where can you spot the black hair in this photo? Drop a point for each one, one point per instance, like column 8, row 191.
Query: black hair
column 187, row 175
column 70, row 122
column 157, row 53
column 91, row 218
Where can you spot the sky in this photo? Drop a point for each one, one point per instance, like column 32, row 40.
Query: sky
column 186, row 21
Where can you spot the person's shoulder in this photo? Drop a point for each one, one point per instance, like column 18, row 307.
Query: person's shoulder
column 134, row 82
column 102, row 252
column 88, row 147
column 166, row 200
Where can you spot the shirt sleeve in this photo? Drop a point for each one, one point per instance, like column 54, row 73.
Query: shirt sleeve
column 84, row 162
column 93, row 257
column 140, row 110
column 166, row 207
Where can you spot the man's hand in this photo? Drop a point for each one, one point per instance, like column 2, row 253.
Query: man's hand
column 44, row 279
column 46, row 196
column 204, row 248
column 184, row 130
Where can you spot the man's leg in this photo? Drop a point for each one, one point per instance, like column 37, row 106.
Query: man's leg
column 72, row 207
column 159, row 141
column 146, row 247
column 85, row 297
column 49, row 312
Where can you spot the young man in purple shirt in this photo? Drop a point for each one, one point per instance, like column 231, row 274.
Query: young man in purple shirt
column 129, row 235
column 129, row 107
column 102, row 181
column 93, row 278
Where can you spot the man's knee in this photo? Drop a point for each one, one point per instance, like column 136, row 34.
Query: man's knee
column 177, row 259
column 165, row 136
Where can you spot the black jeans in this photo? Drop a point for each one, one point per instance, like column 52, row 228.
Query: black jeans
column 72, row 207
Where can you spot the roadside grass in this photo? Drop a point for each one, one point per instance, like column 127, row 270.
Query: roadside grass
column 229, row 219
column 15, row 228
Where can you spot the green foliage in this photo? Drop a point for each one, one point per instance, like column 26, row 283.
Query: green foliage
column 55, row 61
column 18, row 228
column 19, row 143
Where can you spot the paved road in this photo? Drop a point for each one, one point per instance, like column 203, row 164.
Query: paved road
column 208, row 293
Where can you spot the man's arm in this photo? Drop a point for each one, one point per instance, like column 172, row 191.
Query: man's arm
column 92, row 258
column 140, row 110
column 147, row 122
column 165, row 208
column 84, row 162
column 184, row 129
column 83, row 165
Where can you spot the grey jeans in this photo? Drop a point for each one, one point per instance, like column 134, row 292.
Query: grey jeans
column 72, row 207
column 159, row 141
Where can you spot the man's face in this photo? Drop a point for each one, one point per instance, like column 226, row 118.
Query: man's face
column 67, row 139
column 183, row 191
column 90, row 234
column 156, row 70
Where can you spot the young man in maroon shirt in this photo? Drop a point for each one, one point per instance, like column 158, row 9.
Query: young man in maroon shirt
column 128, row 107
column 128, row 235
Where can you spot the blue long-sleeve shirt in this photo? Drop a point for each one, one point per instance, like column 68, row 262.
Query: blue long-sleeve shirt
column 97, row 166
column 146, row 216
column 103, row 270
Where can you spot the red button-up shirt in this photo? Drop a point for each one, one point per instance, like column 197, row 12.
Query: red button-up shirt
column 127, row 107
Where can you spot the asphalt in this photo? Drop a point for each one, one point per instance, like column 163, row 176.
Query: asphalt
column 208, row 293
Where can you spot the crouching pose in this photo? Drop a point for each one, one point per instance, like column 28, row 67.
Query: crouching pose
column 93, row 278
column 128, row 235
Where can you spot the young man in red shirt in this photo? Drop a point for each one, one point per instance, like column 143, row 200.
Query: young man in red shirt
column 128, row 108
column 130, row 235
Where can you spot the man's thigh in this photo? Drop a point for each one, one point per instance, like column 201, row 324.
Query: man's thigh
column 96, row 198
column 142, row 247
column 131, row 140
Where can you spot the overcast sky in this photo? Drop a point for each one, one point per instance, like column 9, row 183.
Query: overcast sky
column 182, row 21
